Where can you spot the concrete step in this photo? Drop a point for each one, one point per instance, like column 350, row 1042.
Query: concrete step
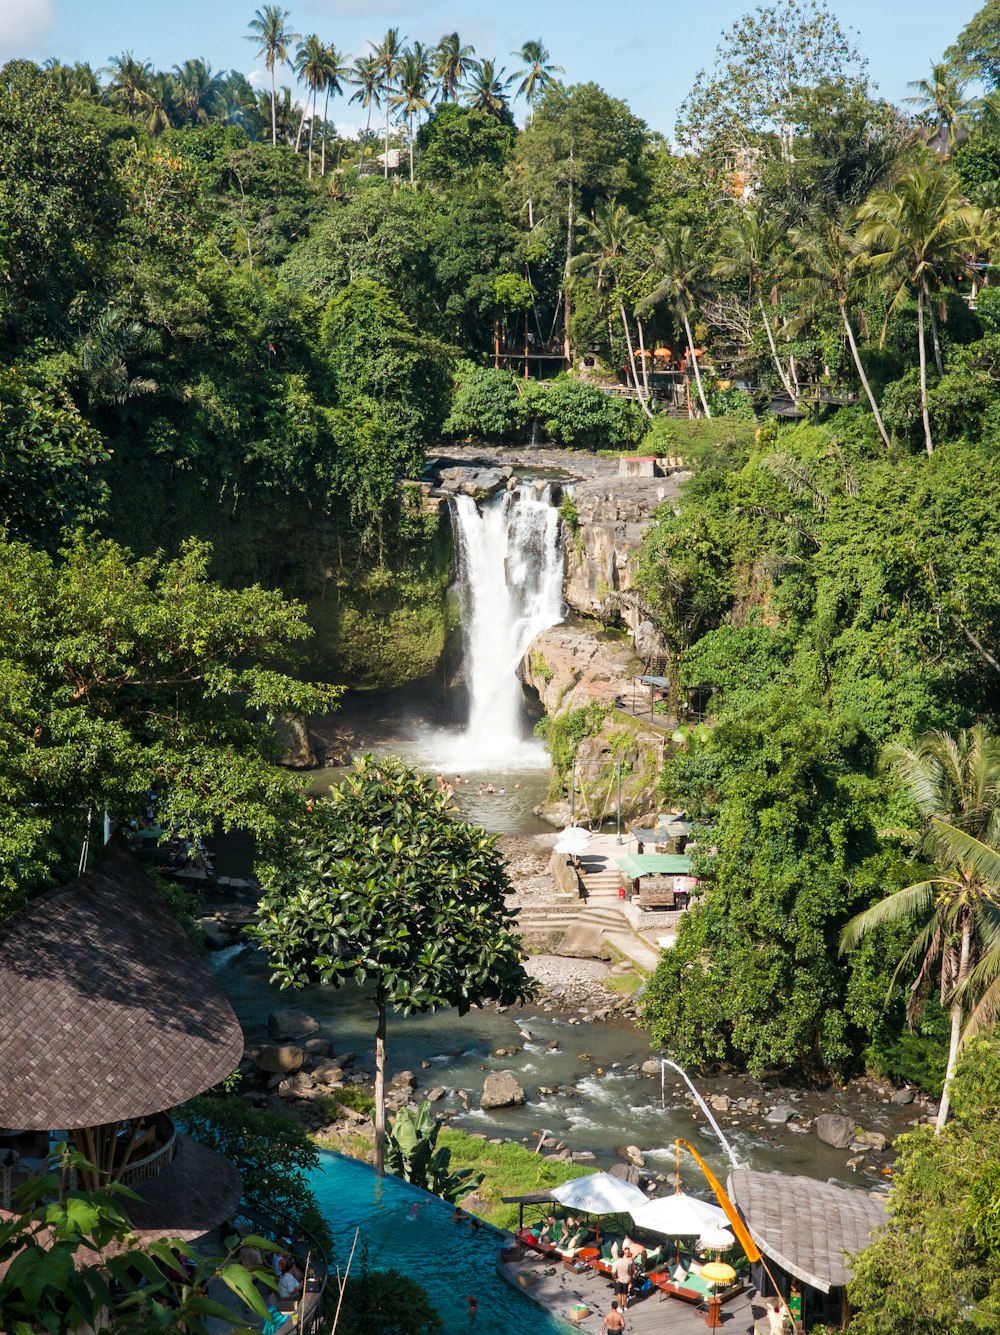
column 641, row 954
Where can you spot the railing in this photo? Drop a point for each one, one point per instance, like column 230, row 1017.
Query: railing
column 152, row 1165
column 310, row 1306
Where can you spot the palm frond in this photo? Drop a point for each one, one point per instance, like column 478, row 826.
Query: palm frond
column 913, row 901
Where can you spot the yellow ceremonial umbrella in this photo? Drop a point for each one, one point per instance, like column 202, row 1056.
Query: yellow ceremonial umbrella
column 717, row 1272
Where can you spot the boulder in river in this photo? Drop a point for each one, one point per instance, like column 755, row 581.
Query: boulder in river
column 501, row 1090
column 780, row 1114
column 627, row 1172
column 287, row 1022
column 633, row 1154
column 902, row 1096
column 651, row 1068
column 835, row 1129
column 280, row 1058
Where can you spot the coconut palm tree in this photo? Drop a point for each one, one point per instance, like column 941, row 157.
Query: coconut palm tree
column 451, row 62
column 914, row 235
column 196, row 92
column 748, row 244
column 74, row 82
column 336, row 72
column 941, row 103
column 237, row 104
column 387, row 54
column 270, row 31
column 607, row 243
column 413, row 84
column 486, row 86
column 158, row 113
column 537, row 73
column 365, row 77
column 128, row 83
column 954, row 784
column 312, row 65
column 682, row 267
column 828, row 254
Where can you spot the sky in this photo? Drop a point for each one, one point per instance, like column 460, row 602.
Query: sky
column 646, row 51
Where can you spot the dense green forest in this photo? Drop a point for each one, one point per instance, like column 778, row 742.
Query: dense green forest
column 229, row 335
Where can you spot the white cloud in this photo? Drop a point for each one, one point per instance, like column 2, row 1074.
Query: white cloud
column 23, row 23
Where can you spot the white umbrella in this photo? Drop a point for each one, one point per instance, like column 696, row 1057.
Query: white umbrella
column 677, row 1214
column 716, row 1240
column 576, row 832
column 600, row 1193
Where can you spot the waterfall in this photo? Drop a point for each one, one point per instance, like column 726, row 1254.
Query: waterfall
column 510, row 575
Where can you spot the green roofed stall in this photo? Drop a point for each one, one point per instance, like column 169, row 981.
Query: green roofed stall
column 637, row 865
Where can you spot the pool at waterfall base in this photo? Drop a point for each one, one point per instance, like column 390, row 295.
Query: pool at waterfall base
column 452, row 1261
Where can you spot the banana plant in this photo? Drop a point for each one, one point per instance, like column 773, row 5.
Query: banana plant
column 412, row 1153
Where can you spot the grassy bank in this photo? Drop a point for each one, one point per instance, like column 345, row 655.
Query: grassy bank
column 509, row 1170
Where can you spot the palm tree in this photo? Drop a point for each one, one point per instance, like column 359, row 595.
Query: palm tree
column 537, row 74
column 129, row 81
column 608, row 241
column 940, row 102
column 237, row 103
column 334, row 71
column 311, row 66
column 387, row 55
column 748, row 244
column 954, row 783
column 828, row 254
column 916, row 233
column 486, row 87
column 159, row 104
column 682, row 267
column 413, row 77
column 282, row 112
column 73, row 81
column 451, row 62
column 269, row 29
column 196, row 91
column 365, row 77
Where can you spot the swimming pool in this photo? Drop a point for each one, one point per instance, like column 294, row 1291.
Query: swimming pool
column 449, row 1260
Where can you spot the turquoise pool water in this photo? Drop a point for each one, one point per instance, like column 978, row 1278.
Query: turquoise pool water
column 449, row 1260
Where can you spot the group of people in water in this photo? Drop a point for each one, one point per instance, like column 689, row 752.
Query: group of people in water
column 485, row 789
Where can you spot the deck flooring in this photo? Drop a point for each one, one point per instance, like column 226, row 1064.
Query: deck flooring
column 652, row 1315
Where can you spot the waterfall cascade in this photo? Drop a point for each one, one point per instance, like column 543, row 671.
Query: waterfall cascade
column 510, row 576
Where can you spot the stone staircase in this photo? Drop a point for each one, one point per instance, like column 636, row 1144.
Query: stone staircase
column 585, row 928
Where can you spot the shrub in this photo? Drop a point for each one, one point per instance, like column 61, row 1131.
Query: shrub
column 570, row 412
column 487, row 404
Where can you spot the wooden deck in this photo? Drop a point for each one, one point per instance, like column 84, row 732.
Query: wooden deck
column 653, row 1315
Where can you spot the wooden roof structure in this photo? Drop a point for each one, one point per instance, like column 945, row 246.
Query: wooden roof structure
column 807, row 1226
column 109, row 1013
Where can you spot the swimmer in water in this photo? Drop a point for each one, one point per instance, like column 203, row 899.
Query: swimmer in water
column 414, row 1210
column 473, row 1304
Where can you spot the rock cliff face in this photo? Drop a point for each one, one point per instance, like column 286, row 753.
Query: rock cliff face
column 571, row 664
column 601, row 555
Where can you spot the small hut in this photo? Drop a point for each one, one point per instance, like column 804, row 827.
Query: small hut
column 807, row 1230
column 111, row 1019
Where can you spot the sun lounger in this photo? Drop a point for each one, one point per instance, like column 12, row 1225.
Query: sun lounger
column 692, row 1289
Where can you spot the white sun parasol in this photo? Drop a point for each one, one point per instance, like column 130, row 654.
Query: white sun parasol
column 600, row 1193
column 715, row 1240
column 574, row 839
column 678, row 1214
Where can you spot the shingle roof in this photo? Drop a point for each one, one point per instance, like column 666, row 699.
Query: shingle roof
column 805, row 1225
column 108, row 1011
column 198, row 1191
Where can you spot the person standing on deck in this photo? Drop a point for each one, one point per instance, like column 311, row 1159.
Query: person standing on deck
column 614, row 1321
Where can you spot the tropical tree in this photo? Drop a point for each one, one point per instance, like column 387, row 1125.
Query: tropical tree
column 319, row 67
column 412, row 84
column 451, row 63
column 940, row 102
column 914, row 235
column 486, row 86
column 828, row 254
column 335, row 70
column 270, row 31
column 954, row 784
column 682, row 267
column 366, row 78
column 379, row 884
column 387, row 54
column 748, row 245
column 129, row 82
column 158, row 100
column 196, row 92
column 537, row 73
column 608, row 242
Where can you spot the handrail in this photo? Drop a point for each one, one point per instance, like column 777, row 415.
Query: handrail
column 141, row 1170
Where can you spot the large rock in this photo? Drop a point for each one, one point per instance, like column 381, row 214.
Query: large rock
column 501, row 1090
column 601, row 555
column 902, row 1096
column 290, row 1023
column 329, row 1073
column 296, row 745
column 280, row 1058
column 835, row 1129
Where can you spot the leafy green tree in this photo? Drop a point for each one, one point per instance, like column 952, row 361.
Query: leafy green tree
column 916, row 235
column 487, row 404
column 272, row 36
column 933, row 1267
column 954, row 784
column 49, row 477
column 762, row 65
column 387, row 1302
column 272, row 1151
column 380, row 885
column 120, row 674
column 460, row 144
column 976, row 53
column 537, row 73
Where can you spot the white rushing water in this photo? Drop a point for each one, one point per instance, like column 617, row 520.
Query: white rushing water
column 510, row 574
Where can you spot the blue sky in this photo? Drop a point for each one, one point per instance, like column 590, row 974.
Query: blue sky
column 646, row 51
